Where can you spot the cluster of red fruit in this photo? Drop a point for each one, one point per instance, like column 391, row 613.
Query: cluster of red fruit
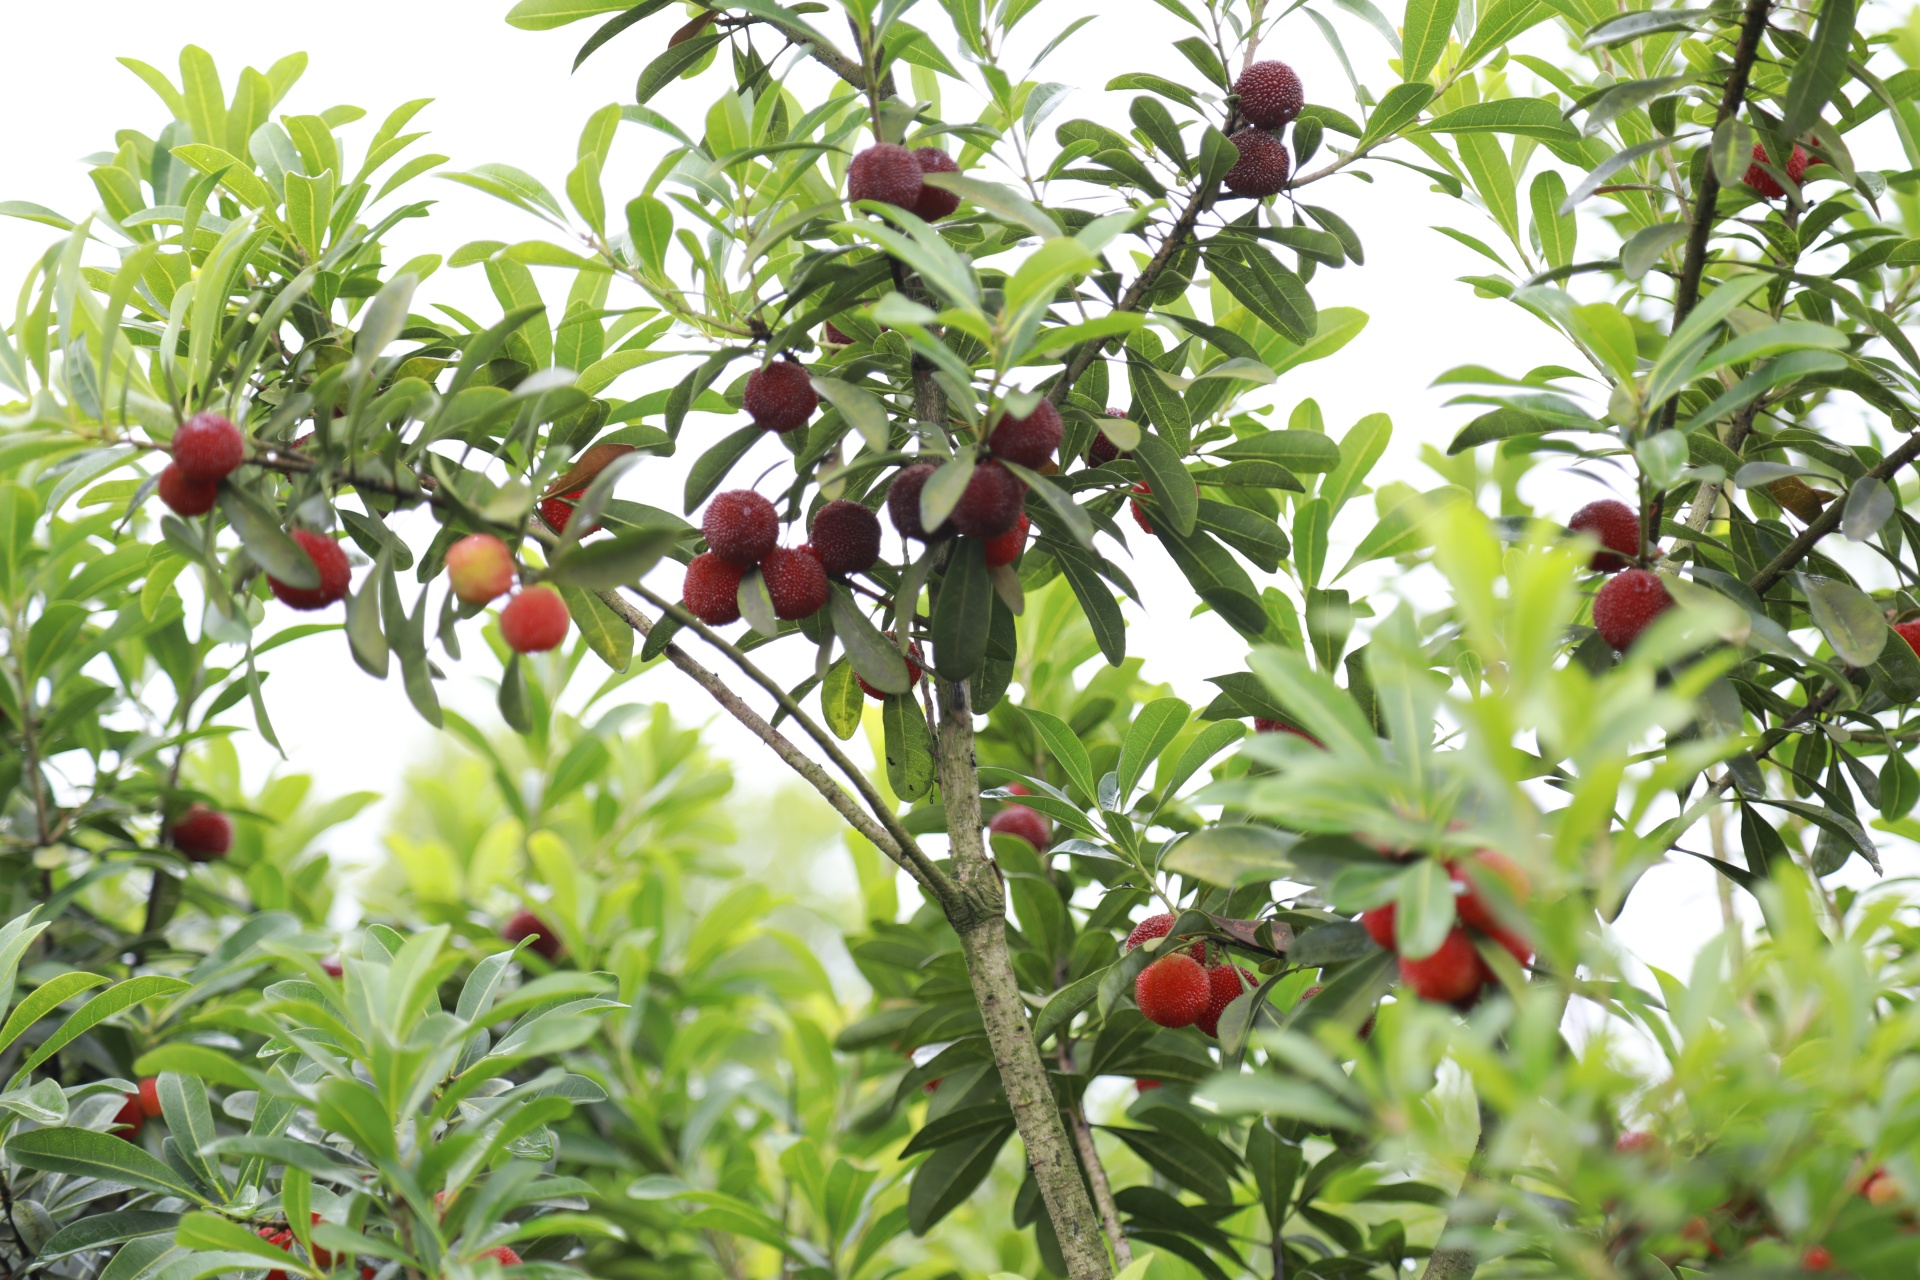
column 1456, row 972
column 1628, row 604
column 888, row 173
column 480, row 570
column 992, row 508
column 1763, row 183
column 283, row 1238
column 1269, row 99
column 1182, row 989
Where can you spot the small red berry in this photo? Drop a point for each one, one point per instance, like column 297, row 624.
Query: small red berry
column 1762, row 183
column 1104, row 450
column 992, row 502
column 846, row 537
column 912, row 658
column 885, row 172
column 934, row 203
column 333, row 967
column 1224, row 985
column 1816, row 1258
column 740, row 525
column 1141, row 1086
column 903, row 504
column 833, row 337
column 1006, row 548
column 1140, row 512
column 1379, row 924
column 534, row 621
column 1633, row 1141
column 1270, row 95
column 557, row 511
column 1625, row 606
column 207, row 447
column 131, row 1118
column 526, row 925
column 1027, row 824
column 184, row 495
column 1158, row 927
column 780, row 397
column 501, row 1254
column 1473, row 909
column 1018, row 789
column 1617, row 526
column 479, row 568
column 1263, row 725
column 331, row 562
column 1910, row 632
column 1451, row 973
column 795, row 581
column 150, row 1096
column 1028, row 441
column 712, row 589
column 1172, row 991
column 1262, row 168
column 202, row 834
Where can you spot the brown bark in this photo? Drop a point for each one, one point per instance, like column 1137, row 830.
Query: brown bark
column 1454, row 1262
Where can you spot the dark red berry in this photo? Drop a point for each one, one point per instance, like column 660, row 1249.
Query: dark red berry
column 1263, row 725
column 331, row 563
column 1172, row 991
column 1262, row 168
column 1006, row 548
column 1763, row 183
column 202, row 834
column 1028, row 441
column 712, row 589
column 1224, row 986
column 333, row 967
column 912, row 658
column 557, row 511
column 525, row 925
column 1140, row 512
column 501, row 1254
column 1625, row 606
column 1379, row 924
column 1270, row 95
column 1158, row 927
column 207, row 447
column 903, row 504
column 1910, row 632
column 184, row 495
column 796, row 582
column 834, row 337
column 740, row 525
column 534, row 621
column 1104, row 450
column 885, row 172
column 1617, row 526
column 935, row 203
column 846, row 537
column 780, row 398
column 1027, row 824
column 1453, row 972
column 991, row 503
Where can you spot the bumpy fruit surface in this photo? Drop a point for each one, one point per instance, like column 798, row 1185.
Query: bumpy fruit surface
column 1140, row 512
column 501, row 1254
column 912, row 659
column 1158, row 927
column 1468, row 903
column 1027, row 824
column 796, row 582
column 1103, row 450
column 1172, row 991
column 1270, row 95
column 903, row 504
column 184, row 495
column 991, row 503
column 1006, row 548
column 557, row 511
column 1028, row 441
column 780, row 398
column 1451, row 973
column 1762, row 183
column 202, row 834
column 846, row 537
column 534, row 621
column 1617, row 526
column 479, row 568
column 331, row 562
column 1223, row 988
column 1262, row 167
column 1910, row 632
column 1817, row 1258
column 934, row 203
column 208, row 447
column 1627, row 605
column 525, row 925
column 1379, row 924
column 886, row 172
column 833, row 336
column 712, row 589
column 740, row 525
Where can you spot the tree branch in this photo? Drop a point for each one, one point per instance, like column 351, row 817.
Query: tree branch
column 1456, row 1262
column 1096, row 1171
column 1827, row 521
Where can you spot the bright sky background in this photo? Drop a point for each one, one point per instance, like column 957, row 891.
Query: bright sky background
column 505, row 95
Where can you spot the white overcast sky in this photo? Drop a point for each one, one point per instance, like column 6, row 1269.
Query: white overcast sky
column 506, row 95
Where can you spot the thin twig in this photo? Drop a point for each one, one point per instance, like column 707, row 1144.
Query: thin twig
column 1828, row 520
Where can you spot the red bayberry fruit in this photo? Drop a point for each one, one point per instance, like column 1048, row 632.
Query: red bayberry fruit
column 991, row 503
column 1910, row 632
column 780, row 398
column 934, row 203
column 1632, row 1141
column 1625, row 606
column 903, row 504
column 208, row 448
column 1103, row 450
column 1880, row 1189
column 1263, row 725
column 202, row 834
column 526, row 925
column 501, row 1254
column 1473, row 909
column 795, row 581
column 1379, row 924
column 534, row 621
column 1617, row 526
column 131, row 1118
column 184, row 495
column 1028, row 441
column 833, row 336
column 1223, row 988
column 1140, row 512
column 331, row 563
column 333, row 967
column 740, row 525
column 1141, row 1086
column 1006, row 548
column 712, row 589
column 150, row 1096
column 1451, row 973
column 1816, row 1258
column 1762, row 183
column 557, row 511
column 1028, row 824
column 1262, row 168
column 1172, row 991
column 1158, row 927
column 1270, row 95
column 1018, row 789
column 479, row 568
column 912, row 658
column 885, row 172
column 846, row 537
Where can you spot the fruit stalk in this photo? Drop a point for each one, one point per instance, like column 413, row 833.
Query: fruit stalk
column 981, row 923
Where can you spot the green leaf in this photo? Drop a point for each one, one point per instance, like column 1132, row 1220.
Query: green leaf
column 946, row 1178
column 1157, row 725
column 605, row 632
column 1261, row 285
column 1064, row 1004
column 909, row 746
column 610, row 562
column 1402, row 104
column 1424, row 36
column 669, row 66
column 266, row 543
column 1096, row 599
column 1322, row 707
column 100, row 1230
column 1819, row 72
column 1205, row 745
column 1557, row 231
column 45, row 998
column 1217, row 577
column 650, row 225
column 961, row 611
column 1295, row 450
column 1002, row 200
column 1233, row 854
column 875, row 657
column 842, row 702
column 1528, row 117
column 86, row 1154
column 1359, row 449
column 1065, row 746
column 1425, row 909
column 866, row 412
column 115, row 999
column 1851, row 620
column 1175, row 498
column 206, row 1232
column 711, row 467
column 1164, row 406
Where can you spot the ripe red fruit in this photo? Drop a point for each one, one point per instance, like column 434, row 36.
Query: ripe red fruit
column 1473, row 909
column 1762, row 183
column 557, row 511
column 1172, row 991
column 1617, row 526
column 1623, row 608
column 780, row 397
column 1103, row 450
column 712, row 589
column 1262, row 168
column 1006, row 548
column 333, row 967
column 1140, row 512
column 1263, row 725
column 934, row 203
column 525, row 925
column 149, row 1097
column 534, row 621
column 1028, row 441
column 1632, row 1141
column 846, row 537
column 1270, row 95
column 1158, row 927
column 1379, row 924
column 903, row 504
column 1141, row 1086
column 886, row 172
column 201, row 833
column 796, row 582
column 1816, row 1258
column 740, row 525
column 131, row 1118
column 832, row 336
column 184, row 495
column 330, row 560
column 1880, row 1189
column 208, row 448
column 912, row 657
column 1028, row 824
column 1451, row 973
column 1223, row 988
column 991, row 503
column 479, row 568
column 1910, row 632
column 501, row 1254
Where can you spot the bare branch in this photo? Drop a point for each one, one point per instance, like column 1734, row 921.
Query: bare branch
column 1827, row 521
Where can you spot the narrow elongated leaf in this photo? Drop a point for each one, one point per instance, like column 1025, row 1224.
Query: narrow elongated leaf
column 86, row 1154
column 1820, row 71
column 666, row 68
column 1424, row 35
column 961, row 612
column 1175, row 497
column 1157, row 725
column 909, row 746
column 874, row 656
